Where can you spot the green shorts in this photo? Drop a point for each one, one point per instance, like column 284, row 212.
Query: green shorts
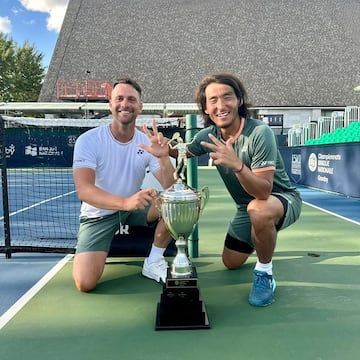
column 96, row 234
column 240, row 226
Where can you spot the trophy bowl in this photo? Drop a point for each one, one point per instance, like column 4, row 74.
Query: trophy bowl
column 180, row 208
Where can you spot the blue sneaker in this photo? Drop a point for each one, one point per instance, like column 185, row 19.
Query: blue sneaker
column 262, row 292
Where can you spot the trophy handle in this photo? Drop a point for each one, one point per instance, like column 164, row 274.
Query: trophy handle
column 205, row 193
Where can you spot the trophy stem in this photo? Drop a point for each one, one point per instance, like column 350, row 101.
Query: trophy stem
column 181, row 266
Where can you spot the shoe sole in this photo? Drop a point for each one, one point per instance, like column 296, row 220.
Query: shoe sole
column 151, row 277
column 262, row 304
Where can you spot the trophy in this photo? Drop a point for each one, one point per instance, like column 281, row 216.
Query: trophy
column 180, row 206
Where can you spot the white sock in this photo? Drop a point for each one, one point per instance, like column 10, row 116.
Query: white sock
column 156, row 253
column 264, row 267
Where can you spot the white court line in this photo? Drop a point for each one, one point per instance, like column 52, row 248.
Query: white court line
column 39, row 203
column 13, row 310
column 331, row 213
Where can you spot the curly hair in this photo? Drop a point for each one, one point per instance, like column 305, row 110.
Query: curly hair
column 226, row 79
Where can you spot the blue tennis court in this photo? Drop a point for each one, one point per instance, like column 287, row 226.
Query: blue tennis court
column 43, row 208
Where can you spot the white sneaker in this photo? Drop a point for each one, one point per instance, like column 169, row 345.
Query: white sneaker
column 156, row 271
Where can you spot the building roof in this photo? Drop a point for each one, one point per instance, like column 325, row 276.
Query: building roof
column 287, row 53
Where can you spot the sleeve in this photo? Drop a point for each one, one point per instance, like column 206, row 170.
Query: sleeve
column 264, row 149
column 195, row 147
column 84, row 152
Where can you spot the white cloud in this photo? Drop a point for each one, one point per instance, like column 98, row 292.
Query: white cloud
column 5, row 25
column 15, row 10
column 55, row 8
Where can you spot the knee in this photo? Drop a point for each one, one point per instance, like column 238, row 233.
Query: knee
column 230, row 264
column 255, row 211
column 259, row 215
column 87, row 269
column 232, row 260
column 85, row 285
column 84, row 282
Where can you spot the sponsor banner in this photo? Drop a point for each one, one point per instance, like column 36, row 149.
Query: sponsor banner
column 37, row 147
column 332, row 167
column 29, row 147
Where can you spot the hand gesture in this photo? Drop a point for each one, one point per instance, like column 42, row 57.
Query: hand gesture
column 158, row 143
column 223, row 153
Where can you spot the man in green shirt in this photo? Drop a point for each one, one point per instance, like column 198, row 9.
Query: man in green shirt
column 245, row 153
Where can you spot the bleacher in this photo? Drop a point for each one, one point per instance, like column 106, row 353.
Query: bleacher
column 340, row 127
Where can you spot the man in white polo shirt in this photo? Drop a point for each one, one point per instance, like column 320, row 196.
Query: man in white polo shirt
column 109, row 167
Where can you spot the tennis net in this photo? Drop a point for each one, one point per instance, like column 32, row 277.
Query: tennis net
column 40, row 206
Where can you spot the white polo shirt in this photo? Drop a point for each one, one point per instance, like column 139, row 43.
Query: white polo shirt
column 120, row 167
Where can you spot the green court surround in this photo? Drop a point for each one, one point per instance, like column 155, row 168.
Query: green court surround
column 316, row 314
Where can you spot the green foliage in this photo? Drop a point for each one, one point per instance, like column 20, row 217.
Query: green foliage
column 21, row 71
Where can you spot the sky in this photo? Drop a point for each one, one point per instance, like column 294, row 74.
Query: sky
column 36, row 21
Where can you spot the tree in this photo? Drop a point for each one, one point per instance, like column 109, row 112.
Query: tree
column 21, row 71
column 6, row 66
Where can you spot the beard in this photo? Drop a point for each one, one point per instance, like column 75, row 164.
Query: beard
column 127, row 119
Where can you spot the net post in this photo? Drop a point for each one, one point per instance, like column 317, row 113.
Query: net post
column 192, row 180
column 5, row 194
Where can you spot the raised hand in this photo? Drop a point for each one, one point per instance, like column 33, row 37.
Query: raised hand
column 158, row 143
column 223, row 153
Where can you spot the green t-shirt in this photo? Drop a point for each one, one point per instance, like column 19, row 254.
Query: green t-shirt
column 257, row 148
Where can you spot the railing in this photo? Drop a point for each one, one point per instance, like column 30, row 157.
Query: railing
column 328, row 129
column 352, row 114
column 83, row 89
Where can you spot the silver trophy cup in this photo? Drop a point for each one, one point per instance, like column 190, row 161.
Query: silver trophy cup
column 180, row 208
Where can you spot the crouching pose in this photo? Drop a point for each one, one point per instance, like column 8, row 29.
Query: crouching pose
column 109, row 167
column 245, row 153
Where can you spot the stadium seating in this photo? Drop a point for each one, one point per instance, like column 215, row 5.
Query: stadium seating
column 340, row 135
column 340, row 127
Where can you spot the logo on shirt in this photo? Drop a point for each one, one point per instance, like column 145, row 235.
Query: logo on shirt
column 267, row 163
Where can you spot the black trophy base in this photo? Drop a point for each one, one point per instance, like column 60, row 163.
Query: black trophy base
column 180, row 306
